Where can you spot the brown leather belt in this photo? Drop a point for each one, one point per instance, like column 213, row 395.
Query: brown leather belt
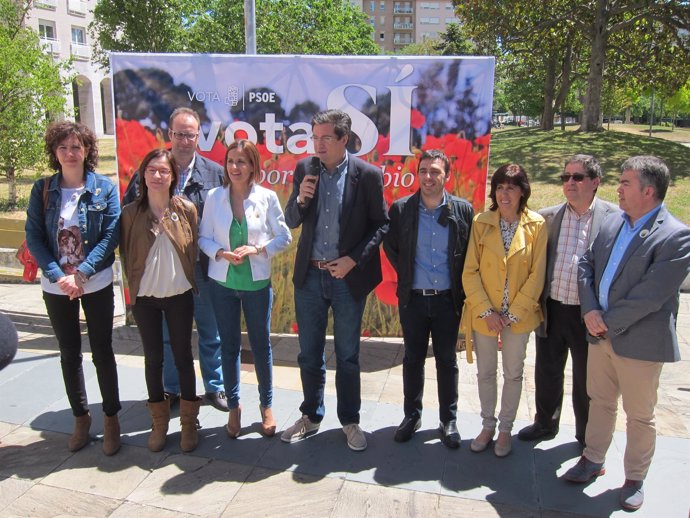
column 321, row 265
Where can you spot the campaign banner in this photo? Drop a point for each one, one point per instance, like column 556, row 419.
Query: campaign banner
column 399, row 105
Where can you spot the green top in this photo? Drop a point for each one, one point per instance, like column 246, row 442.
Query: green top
column 240, row 276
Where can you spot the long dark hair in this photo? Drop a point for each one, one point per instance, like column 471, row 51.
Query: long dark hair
column 152, row 155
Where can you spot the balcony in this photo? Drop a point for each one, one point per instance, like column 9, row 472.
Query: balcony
column 46, row 4
column 51, row 45
column 80, row 51
column 402, row 41
column 403, row 26
column 402, row 10
column 77, row 7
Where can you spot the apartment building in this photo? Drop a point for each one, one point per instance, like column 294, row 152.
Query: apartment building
column 63, row 28
column 397, row 23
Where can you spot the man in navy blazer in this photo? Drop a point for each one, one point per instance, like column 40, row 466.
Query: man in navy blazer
column 572, row 227
column 628, row 285
column 338, row 201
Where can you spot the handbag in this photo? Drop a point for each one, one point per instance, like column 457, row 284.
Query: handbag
column 24, row 255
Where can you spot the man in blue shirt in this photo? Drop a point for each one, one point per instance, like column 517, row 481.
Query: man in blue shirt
column 426, row 244
column 338, row 201
column 628, row 286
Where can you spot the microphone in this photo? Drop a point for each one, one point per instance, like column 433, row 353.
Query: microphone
column 313, row 170
column 8, row 341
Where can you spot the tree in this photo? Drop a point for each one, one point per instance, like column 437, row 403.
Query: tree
column 31, row 90
column 679, row 103
column 217, row 26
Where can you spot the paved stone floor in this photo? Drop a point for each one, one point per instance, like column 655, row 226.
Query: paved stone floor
column 320, row 477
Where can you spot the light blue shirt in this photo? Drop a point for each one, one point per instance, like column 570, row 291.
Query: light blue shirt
column 625, row 236
column 431, row 270
column 183, row 177
column 327, row 230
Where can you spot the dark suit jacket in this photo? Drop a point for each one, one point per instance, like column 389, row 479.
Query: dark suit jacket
column 554, row 217
column 400, row 242
column 205, row 176
column 363, row 222
column 643, row 298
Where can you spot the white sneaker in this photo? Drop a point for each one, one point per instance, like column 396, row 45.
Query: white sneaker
column 302, row 429
column 355, row 437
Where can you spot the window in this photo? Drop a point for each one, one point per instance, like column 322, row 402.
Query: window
column 372, row 5
column 429, row 21
column 79, row 35
column 382, row 6
column 382, row 36
column 372, row 21
column 46, row 30
column 451, row 20
column 429, row 5
column 382, row 20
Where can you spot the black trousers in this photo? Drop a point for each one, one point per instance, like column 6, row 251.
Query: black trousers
column 178, row 310
column 64, row 317
column 421, row 317
column 565, row 332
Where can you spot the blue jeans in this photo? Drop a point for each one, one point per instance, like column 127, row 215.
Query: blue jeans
column 256, row 306
column 319, row 292
column 209, row 342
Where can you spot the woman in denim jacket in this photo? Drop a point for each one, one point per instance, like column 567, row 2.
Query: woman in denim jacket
column 242, row 228
column 72, row 229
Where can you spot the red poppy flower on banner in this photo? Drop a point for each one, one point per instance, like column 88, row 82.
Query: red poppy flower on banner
column 386, row 290
column 133, row 142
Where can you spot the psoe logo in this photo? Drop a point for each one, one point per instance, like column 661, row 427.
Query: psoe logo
column 233, row 96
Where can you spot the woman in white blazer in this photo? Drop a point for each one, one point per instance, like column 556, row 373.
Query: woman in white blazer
column 242, row 228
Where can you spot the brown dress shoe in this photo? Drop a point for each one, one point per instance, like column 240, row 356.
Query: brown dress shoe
column 80, row 436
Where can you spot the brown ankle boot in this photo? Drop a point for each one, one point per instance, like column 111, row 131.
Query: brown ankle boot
column 234, row 426
column 189, row 411
column 80, row 436
column 268, row 424
column 160, row 415
column 111, row 435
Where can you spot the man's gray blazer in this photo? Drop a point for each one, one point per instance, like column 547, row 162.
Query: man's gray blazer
column 643, row 298
column 554, row 217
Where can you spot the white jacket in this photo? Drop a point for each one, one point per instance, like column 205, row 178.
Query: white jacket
column 265, row 227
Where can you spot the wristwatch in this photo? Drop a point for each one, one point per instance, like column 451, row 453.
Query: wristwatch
column 259, row 249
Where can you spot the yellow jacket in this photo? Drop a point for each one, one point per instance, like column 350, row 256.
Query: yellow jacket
column 486, row 268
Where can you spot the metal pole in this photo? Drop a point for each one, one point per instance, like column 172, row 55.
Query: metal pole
column 250, row 26
column 651, row 114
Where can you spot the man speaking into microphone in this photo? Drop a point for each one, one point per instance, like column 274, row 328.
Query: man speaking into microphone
column 338, row 200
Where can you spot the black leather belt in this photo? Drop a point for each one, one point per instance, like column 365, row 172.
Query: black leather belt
column 321, row 265
column 430, row 293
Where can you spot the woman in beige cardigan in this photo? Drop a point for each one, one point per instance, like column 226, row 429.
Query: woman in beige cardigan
column 503, row 279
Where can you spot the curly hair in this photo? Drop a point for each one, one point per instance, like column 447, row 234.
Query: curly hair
column 57, row 132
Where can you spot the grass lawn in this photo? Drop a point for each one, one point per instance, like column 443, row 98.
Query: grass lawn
column 543, row 154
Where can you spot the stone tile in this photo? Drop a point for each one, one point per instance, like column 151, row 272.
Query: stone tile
column 130, row 509
column 43, row 500
column 453, row 507
column 356, row 499
column 193, row 485
column 11, row 489
column 112, row 477
column 32, row 454
column 291, row 494
column 6, row 428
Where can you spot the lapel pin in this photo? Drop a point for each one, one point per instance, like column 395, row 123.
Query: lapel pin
column 98, row 191
column 174, row 217
column 644, row 233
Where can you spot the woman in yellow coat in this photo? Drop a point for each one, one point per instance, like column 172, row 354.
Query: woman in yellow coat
column 503, row 279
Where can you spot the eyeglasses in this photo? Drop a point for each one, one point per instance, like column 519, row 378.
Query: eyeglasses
column 577, row 177
column 327, row 139
column 164, row 173
column 179, row 135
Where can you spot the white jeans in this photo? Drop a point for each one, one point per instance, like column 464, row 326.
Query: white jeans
column 514, row 346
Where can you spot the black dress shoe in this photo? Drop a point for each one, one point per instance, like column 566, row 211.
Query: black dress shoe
column 407, row 429
column 537, row 431
column 450, row 436
column 218, row 400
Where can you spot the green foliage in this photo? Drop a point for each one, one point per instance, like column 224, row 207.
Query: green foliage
column 217, row 26
column 423, row 48
column 455, row 42
column 31, row 89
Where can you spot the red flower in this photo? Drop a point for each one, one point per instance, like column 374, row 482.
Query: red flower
column 133, row 142
column 417, row 120
column 366, row 333
column 386, row 290
column 294, row 328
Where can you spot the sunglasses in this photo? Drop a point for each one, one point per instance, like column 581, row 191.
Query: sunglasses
column 577, row 177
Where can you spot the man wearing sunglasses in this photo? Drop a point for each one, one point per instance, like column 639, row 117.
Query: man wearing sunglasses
column 196, row 177
column 572, row 226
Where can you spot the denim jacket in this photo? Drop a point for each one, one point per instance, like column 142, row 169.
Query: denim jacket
column 99, row 224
